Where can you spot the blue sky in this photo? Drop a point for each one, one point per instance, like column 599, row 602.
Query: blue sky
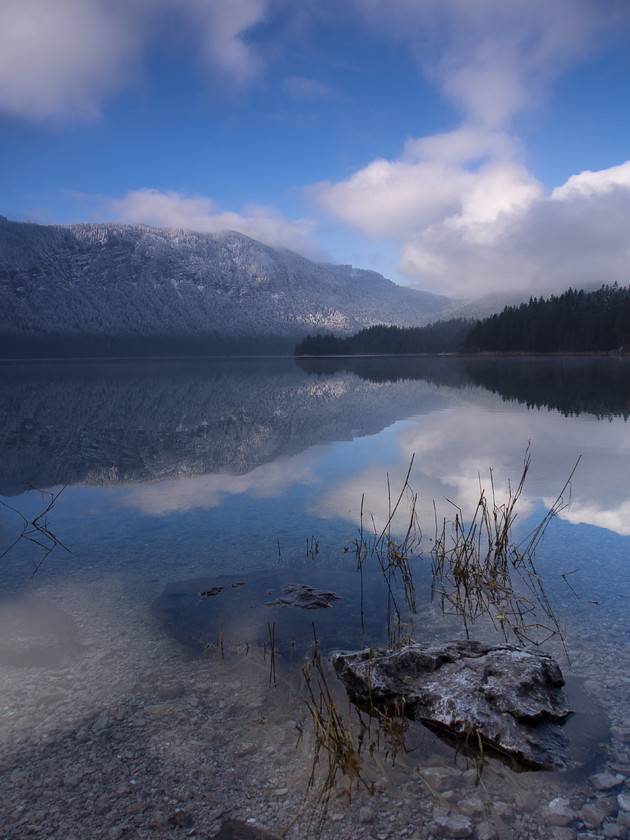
column 463, row 147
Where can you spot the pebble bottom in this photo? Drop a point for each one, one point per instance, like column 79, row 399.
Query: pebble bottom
column 128, row 737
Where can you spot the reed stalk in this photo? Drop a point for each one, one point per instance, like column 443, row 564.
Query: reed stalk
column 37, row 530
column 475, row 563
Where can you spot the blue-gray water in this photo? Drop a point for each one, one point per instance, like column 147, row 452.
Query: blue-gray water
column 205, row 467
column 179, row 474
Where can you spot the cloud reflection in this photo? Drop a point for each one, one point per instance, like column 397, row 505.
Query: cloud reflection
column 209, row 491
column 455, row 448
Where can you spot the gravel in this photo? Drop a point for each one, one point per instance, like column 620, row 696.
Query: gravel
column 124, row 735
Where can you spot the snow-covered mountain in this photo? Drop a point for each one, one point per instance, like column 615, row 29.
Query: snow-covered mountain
column 114, row 289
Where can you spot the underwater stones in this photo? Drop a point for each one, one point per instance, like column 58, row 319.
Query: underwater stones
column 559, row 812
column 304, row 596
column 511, row 698
column 194, row 610
column 212, row 592
column 607, row 780
column 180, row 818
column 237, row 830
column 453, row 826
column 35, row 633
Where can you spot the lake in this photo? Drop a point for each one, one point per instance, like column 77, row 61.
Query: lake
column 133, row 706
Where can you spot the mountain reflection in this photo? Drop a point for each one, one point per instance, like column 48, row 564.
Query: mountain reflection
column 572, row 385
column 438, row 370
column 128, row 422
column 178, row 435
column 132, row 422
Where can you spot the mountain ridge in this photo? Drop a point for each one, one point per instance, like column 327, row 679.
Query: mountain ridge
column 115, row 289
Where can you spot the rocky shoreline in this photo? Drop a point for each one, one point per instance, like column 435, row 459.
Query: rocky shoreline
column 165, row 766
column 127, row 737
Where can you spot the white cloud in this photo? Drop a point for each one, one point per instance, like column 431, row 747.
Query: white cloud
column 466, row 171
column 576, row 237
column 468, row 216
column 493, row 58
column 62, row 59
column 387, row 198
column 220, row 27
column 171, row 209
column 589, row 183
column 470, row 219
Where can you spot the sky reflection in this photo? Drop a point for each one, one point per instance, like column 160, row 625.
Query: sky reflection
column 209, row 491
column 455, row 448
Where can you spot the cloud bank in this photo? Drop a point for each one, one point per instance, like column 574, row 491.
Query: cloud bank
column 529, row 241
column 171, row 209
column 467, row 215
column 470, row 219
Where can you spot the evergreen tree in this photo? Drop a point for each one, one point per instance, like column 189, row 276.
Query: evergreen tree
column 573, row 322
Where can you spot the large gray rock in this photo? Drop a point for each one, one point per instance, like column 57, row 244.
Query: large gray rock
column 511, row 697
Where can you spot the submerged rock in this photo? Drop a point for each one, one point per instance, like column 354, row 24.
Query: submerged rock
column 304, row 596
column 511, row 698
column 197, row 611
column 212, row 592
column 237, row 830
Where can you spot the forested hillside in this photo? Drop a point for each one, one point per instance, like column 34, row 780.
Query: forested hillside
column 574, row 322
column 114, row 289
column 440, row 337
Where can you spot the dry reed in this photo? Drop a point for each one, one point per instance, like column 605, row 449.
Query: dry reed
column 474, row 561
column 37, row 530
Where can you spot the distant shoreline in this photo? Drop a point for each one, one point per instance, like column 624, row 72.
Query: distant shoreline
column 252, row 356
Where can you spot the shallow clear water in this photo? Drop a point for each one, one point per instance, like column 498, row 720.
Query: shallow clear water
column 177, row 475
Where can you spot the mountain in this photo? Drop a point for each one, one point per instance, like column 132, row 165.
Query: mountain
column 114, row 289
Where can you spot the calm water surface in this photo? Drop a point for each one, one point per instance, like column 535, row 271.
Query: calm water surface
column 178, row 476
